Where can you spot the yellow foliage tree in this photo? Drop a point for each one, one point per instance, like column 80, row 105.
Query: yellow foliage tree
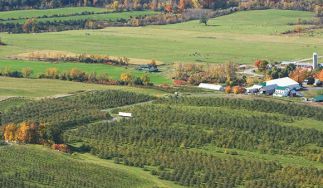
column 51, row 72
column 10, row 132
column 23, row 133
column 126, row 77
column 26, row 72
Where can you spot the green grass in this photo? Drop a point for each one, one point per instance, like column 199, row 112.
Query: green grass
column 40, row 163
column 306, row 123
column 48, row 12
column 136, row 172
column 241, row 37
column 110, row 16
column 113, row 71
column 286, row 160
column 20, row 87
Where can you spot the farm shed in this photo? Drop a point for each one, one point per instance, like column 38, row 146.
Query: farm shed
column 211, row 87
column 125, row 114
column 318, row 98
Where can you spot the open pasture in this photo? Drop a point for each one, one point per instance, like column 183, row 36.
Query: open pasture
column 21, row 14
column 20, row 87
column 241, row 37
column 65, row 15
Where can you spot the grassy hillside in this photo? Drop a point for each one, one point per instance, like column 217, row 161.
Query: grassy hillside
column 43, row 167
column 241, row 37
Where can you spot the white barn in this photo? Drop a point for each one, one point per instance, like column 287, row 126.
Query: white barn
column 284, row 82
column 211, row 86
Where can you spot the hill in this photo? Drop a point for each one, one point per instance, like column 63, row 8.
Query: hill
column 241, row 37
column 42, row 167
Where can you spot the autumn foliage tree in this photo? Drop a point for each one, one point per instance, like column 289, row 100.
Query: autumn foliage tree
column 238, row 90
column 299, row 75
column 227, row 89
column 126, row 77
column 320, row 76
column 9, row 132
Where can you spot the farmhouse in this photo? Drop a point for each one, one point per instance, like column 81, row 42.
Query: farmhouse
column 281, row 92
column 211, row 87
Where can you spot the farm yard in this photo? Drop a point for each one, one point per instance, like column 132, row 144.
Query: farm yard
column 89, row 97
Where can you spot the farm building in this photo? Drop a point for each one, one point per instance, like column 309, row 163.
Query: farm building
column 125, row 114
column 211, row 87
column 318, row 98
column 284, row 82
column 282, row 85
column 282, row 92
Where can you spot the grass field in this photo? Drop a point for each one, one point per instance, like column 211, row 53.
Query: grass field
column 17, row 14
column 41, row 87
column 241, row 37
column 113, row 71
column 109, row 16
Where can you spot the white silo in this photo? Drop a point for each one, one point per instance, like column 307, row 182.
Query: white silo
column 315, row 60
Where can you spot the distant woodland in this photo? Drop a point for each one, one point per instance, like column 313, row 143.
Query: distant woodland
column 155, row 4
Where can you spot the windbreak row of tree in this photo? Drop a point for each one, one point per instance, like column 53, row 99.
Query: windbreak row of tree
column 29, row 167
column 34, row 26
column 162, row 136
column 57, row 115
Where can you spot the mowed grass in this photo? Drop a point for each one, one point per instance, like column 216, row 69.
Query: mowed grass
column 135, row 171
column 20, row 87
column 285, row 160
column 109, row 16
column 113, row 71
column 241, row 37
column 17, row 14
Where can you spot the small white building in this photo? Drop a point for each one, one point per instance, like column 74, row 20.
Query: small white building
column 281, row 92
column 211, row 87
column 125, row 114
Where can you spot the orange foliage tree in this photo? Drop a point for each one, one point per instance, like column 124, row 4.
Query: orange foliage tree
column 181, row 5
column 299, row 75
column 227, row 89
column 320, row 76
column 238, row 90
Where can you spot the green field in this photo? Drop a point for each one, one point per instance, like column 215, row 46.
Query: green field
column 17, row 14
column 113, row 71
column 42, row 87
column 108, row 16
column 241, row 37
